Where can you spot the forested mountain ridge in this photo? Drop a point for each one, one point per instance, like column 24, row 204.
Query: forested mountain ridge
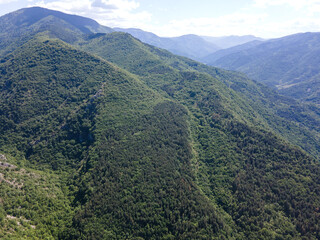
column 150, row 146
column 289, row 64
column 29, row 16
column 254, row 102
column 108, row 124
column 20, row 26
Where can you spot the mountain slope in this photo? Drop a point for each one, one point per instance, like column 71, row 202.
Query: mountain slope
column 255, row 103
column 34, row 204
column 132, row 146
column 20, row 26
column 29, row 16
column 234, row 151
column 289, row 64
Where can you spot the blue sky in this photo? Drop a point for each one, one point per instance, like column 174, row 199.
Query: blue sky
column 263, row 18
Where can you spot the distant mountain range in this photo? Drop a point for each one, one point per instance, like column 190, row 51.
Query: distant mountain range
column 231, row 41
column 290, row 64
column 191, row 46
column 211, row 58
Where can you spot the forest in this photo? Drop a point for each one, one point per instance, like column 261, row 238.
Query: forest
column 105, row 137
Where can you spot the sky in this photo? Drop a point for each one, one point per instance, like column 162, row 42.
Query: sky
column 168, row 18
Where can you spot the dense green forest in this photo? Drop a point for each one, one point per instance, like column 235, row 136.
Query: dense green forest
column 104, row 137
column 187, row 81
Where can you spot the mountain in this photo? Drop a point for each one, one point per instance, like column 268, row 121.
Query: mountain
column 18, row 27
column 191, row 46
column 25, row 22
column 231, row 41
column 29, row 16
column 74, row 118
column 194, row 45
column 70, row 28
column 118, row 139
column 209, row 59
column 289, row 64
column 258, row 101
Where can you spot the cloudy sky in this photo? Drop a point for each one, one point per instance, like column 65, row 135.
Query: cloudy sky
column 263, row 18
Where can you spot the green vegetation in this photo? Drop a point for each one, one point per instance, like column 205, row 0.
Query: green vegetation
column 18, row 27
column 166, row 149
column 143, row 173
column 34, row 204
column 118, row 132
column 219, row 111
column 188, row 81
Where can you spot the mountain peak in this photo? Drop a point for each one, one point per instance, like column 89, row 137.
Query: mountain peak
column 26, row 17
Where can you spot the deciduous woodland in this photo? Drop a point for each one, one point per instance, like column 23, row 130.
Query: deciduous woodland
column 105, row 137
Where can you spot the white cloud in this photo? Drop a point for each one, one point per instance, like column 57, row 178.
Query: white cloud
column 297, row 4
column 307, row 16
column 261, row 25
column 7, row 1
column 257, row 18
column 299, row 25
column 237, row 24
column 68, row 6
column 112, row 13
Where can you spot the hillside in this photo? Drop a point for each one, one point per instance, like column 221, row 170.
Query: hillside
column 289, row 64
column 251, row 102
column 110, row 125
column 34, row 204
column 118, row 139
column 217, row 149
column 20, row 26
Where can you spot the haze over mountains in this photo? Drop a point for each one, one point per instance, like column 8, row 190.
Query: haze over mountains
column 106, row 137
column 192, row 46
column 231, row 41
column 290, row 64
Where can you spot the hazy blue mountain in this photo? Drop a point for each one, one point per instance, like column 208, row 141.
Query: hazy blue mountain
column 231, row 41
column 224, row 52
column 191, row 46
column 290, row 64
